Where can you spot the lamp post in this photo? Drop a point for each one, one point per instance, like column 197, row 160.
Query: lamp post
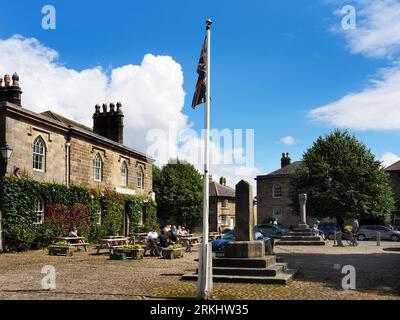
column 6, row 153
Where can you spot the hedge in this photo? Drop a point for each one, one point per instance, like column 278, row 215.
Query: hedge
column 64, row 207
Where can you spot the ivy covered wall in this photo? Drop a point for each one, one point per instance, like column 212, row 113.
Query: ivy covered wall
column 66, row 207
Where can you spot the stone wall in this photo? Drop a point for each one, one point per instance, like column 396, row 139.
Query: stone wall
column 266, row 203
column 217, row 210
column 21, row 133
column 20, row 136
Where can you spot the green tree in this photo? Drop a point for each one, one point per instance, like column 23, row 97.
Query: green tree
column 342, row 179
column 179, row 193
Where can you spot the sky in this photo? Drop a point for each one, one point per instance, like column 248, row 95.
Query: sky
column 287, row 70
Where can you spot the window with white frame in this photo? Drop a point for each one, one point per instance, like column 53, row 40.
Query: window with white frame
column 276, row 191
column 140, row 178
column 39, row 154
column 124, row 174
column 39, row 211
column 97, row 168
column 225, row 203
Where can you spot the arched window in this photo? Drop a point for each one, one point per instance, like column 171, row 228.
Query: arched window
column 124, row 174
column 140, row 178
column 276, row 191
column 39, row 154
column 39, row 210
column 97, row 168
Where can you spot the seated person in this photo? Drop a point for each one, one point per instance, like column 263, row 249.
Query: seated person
column 174, row 234
column 163, row 239
column 73, row 233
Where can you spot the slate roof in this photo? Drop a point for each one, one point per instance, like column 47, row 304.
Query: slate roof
column 219, row 190
column 394, row 167
column 287, row 170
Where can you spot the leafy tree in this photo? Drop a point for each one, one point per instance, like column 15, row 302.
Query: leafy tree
column 342, row 179
column 179, row 193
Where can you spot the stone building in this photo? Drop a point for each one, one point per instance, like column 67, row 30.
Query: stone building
column 222, row 205
column 273, row 194
column 394, row 176
column 51, row 148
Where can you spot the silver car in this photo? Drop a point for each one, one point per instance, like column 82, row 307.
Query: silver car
column 369, row 232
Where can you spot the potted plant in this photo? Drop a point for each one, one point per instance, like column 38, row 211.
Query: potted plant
column 172, row 251
column 61, row 248
column 133, row 251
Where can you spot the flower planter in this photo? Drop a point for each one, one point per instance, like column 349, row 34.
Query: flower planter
column 135, row 254
column 55, row 250
column 172, row 253
column 117, row 256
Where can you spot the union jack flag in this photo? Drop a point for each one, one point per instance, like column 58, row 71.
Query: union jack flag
column 201, row 85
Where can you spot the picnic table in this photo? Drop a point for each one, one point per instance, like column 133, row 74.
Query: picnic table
column 139, row 238
column 190, row 242
column 75, row 242
column 110, row 243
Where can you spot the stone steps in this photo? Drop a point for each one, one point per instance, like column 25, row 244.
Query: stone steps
column 301, row 243
column 300, row 238
column 281, row 278
column 271, row 271
column 305, row 234
column 244, row 262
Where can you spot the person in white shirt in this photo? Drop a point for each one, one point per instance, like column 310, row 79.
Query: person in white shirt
column 152, row 235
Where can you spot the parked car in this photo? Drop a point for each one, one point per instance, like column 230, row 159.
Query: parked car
column 218, row 245
column 272, row 230
column 369, row 232
column 328, row 229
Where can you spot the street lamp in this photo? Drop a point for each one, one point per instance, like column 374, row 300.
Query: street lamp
column 6, row 152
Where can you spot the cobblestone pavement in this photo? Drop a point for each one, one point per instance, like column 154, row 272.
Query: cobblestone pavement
column 87, row 276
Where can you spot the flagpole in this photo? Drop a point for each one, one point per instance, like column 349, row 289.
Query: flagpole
column 205, row 267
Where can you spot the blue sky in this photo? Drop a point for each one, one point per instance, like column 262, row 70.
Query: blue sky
column 272, row 62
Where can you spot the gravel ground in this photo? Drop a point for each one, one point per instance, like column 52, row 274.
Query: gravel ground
column 86, row 276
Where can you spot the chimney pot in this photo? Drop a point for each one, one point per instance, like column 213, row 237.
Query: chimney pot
column 7, row 80
column 112, row 107
column 104, row 108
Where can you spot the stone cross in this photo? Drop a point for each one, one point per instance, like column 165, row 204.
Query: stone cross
column 244, row 212
column 303, row 201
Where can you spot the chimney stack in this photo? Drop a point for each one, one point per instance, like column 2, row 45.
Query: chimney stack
column 285, row 160
column 10, row 92
column 210, row 178
column 109, row 122
column 222, row 181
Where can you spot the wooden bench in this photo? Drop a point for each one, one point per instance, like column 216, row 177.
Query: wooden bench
column 82, row 244
column 61, row 250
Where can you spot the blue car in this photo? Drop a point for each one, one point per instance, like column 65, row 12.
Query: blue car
column 328, row 230
column 271, row 230
column 218, row 245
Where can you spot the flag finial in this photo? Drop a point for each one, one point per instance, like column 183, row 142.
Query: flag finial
column 208, row 23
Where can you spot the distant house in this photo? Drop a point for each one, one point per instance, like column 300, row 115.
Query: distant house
column 273, row 194
column 394, row 173
column 222, row 205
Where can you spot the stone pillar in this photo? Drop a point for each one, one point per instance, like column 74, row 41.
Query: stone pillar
column 303, row 202
column 244, row 212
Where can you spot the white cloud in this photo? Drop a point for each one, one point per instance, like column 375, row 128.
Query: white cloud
column 376, row 107
column 289, row 140
column 377, row 33
column 151, row 93
column 388, row 158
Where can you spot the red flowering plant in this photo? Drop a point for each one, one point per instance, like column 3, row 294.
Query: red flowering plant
column 64, row 218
